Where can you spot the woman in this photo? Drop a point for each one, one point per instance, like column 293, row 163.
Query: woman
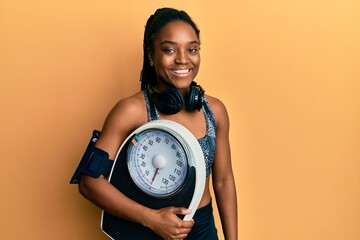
column 171, row 62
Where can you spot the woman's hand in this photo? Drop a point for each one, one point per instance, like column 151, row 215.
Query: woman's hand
column 166, row 224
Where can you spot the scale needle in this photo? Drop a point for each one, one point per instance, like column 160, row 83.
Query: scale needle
column 152, row 180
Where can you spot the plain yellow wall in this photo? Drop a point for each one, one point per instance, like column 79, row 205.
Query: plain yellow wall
column 288, row 72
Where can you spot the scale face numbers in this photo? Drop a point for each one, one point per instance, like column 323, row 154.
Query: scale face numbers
column 158, row 162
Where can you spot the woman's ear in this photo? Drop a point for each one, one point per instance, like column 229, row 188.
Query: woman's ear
column 150, row 56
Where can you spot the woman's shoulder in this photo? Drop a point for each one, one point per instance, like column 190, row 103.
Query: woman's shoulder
column 127, row 114
column 218, row 108
column 130, row 104
column 128, row 111
column 215, row 103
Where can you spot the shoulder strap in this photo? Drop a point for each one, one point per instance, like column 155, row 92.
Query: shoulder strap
column 210, row 118
column 153, row 114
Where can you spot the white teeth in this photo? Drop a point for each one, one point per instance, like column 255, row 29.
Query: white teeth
column 181, row 71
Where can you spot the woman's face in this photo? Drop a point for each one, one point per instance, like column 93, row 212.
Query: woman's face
column 176, row 56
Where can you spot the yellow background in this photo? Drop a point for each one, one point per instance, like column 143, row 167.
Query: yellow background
column 288, row 72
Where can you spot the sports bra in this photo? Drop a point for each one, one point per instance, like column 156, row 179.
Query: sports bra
column 207, row 143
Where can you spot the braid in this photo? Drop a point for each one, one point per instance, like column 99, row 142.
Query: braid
column 154, row 24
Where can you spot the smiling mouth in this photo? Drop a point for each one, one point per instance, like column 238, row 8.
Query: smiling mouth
column 181, row 71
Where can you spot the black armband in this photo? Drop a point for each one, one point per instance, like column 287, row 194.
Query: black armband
column 94, row 163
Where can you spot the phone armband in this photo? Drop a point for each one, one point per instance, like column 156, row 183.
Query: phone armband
column 94, row 163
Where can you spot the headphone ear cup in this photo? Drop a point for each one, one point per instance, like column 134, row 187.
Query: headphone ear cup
column 196, row 99
column 170, row 101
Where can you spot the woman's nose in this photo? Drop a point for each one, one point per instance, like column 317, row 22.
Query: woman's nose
column 181, row 57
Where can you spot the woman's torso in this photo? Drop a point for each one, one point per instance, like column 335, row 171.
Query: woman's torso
column 202, row 124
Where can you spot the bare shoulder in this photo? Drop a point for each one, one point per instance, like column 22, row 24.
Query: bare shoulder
column 130, row 108
column 127, row 115
column 219, row 110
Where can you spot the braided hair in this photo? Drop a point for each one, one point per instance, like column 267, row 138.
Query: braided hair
column 154, row 24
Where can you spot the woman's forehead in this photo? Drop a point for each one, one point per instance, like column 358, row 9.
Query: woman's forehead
column 177, row 31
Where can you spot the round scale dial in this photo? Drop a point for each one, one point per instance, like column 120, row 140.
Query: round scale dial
column 158, row 162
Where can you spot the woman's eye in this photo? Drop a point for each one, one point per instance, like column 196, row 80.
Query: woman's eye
column 169, row 50
column 192, row 50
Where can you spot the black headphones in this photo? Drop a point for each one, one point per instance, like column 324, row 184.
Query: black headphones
column 171, row 100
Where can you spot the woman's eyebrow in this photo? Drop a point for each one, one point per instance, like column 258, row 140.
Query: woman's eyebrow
column 167, row 42
column 172, row 42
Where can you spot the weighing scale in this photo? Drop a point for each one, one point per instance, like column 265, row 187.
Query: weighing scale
column 160, row 164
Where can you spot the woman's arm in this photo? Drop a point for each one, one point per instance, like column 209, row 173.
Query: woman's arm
column 125, row 117
column 222, row 174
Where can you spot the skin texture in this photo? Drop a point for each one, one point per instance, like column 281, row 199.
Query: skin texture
column 176, row 60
